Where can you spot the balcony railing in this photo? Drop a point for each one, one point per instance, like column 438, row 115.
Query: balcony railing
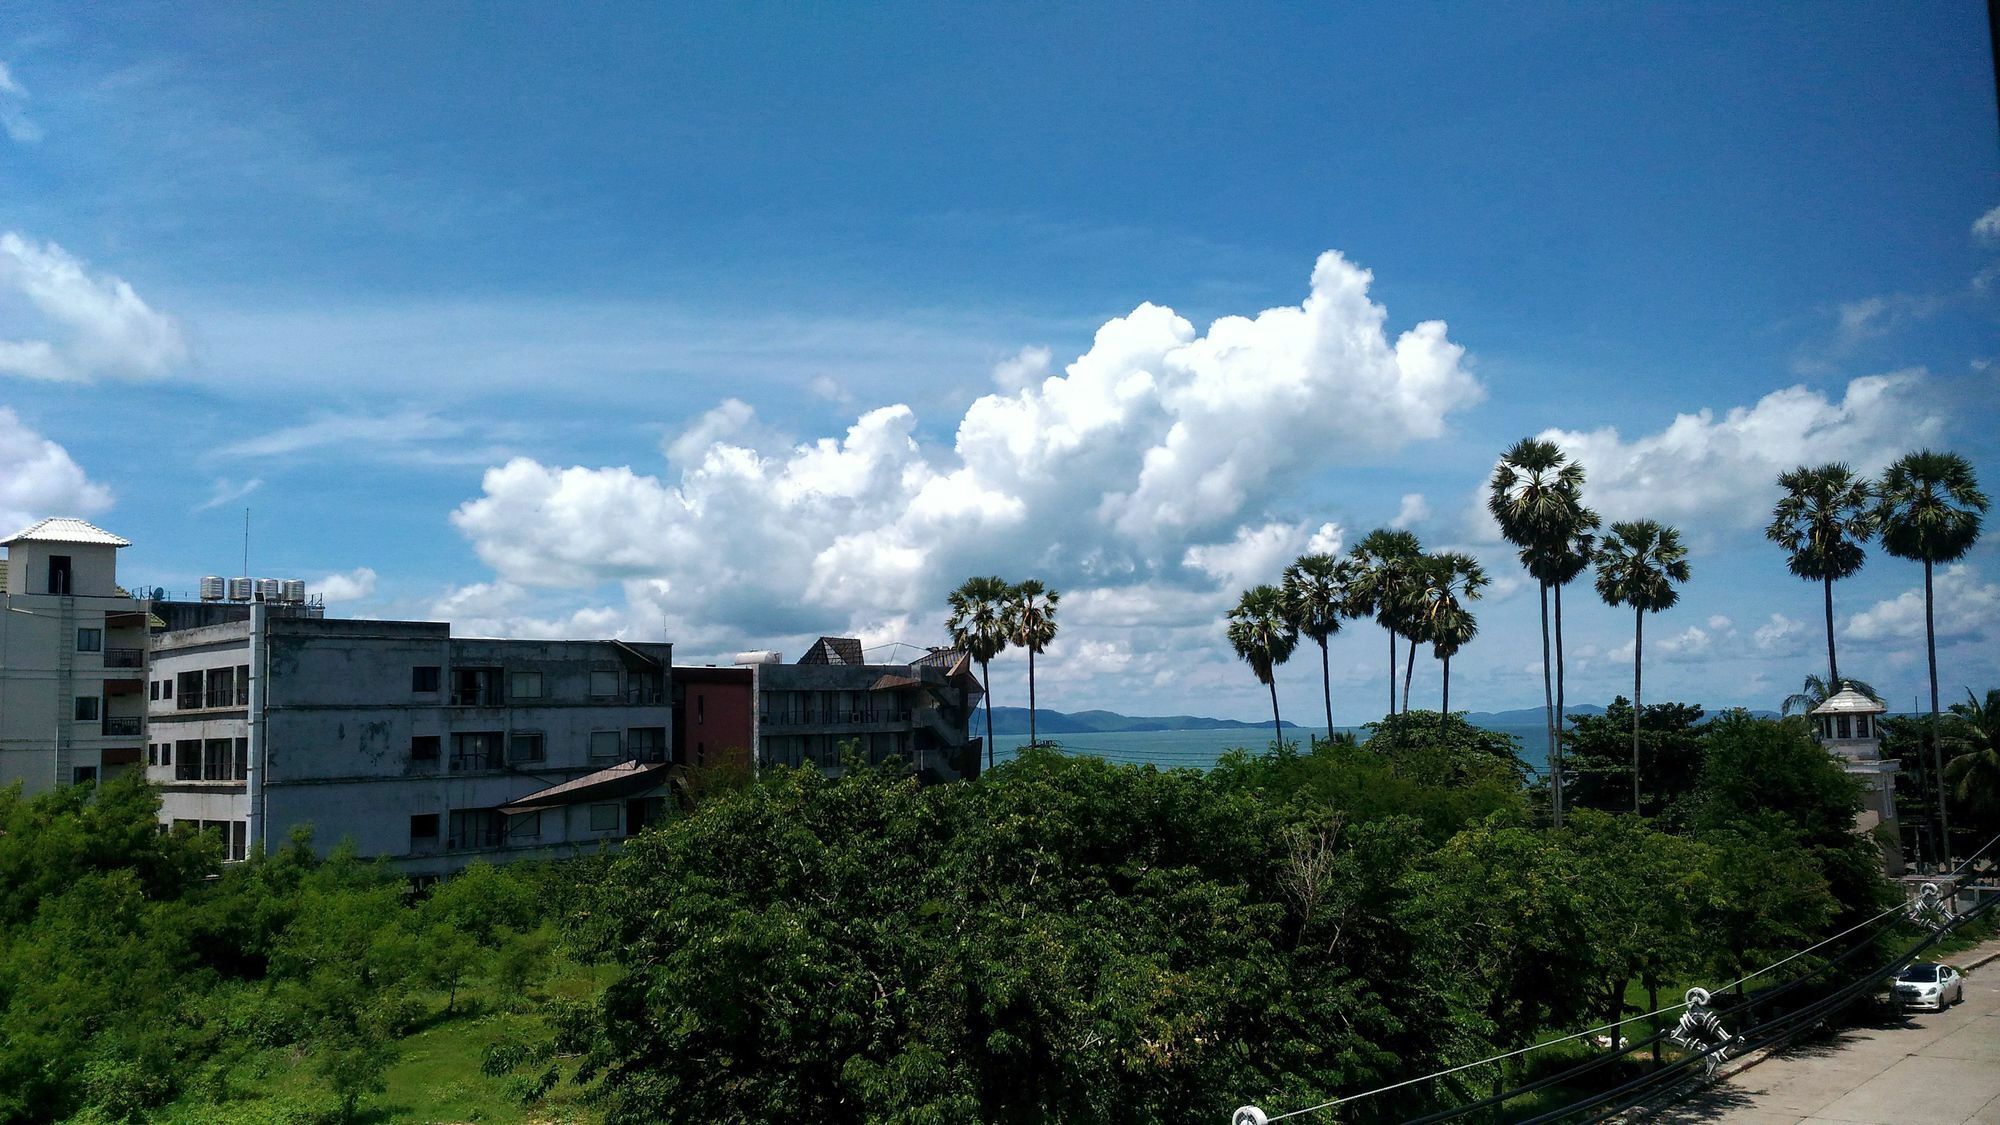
column 836, row 717
column 124, row 658
column 127, row 727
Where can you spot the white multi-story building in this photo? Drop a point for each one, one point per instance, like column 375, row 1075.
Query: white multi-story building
column 72, row 658
column 411, row 743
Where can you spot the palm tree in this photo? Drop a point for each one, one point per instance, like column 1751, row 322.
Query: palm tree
column 1928, row 508
column 1448, row 580
column 1822, row 519
column 1816, row 691
column 1384, row 561
column 1974, row 772
column 1536, row 495
column 1263, row 634
column 979, row 626
column 1637, row 566
column 1315, row 600
column 1032, row 617
column 1561, row 560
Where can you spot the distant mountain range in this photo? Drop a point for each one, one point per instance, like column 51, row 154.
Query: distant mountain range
column 1014, row 721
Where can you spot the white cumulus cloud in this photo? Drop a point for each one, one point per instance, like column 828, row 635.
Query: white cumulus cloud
column 90, row 326
column 1987, row 226
column 350, row 586
column 1968, row 607
column 38, row 478
column 1157, row 456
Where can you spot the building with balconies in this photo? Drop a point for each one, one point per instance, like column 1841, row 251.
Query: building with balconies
column 72, row 658
column 920, row 712
column 413, row 744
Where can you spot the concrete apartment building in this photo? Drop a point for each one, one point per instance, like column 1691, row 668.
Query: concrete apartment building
column 72, row 658
column 920, row 711
column 414, row 744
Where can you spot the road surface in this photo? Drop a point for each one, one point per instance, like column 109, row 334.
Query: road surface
column 1934, row 1069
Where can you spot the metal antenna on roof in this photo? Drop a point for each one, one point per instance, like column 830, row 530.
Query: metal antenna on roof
column 246, row 543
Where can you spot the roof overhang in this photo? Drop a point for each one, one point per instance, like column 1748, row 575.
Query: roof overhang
column 622, row 780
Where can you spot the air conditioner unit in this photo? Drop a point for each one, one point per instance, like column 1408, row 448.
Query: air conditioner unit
column 211, row 588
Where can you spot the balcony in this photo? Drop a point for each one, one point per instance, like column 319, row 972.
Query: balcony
column 123, row 727
column 823, row 717
column 124, row 658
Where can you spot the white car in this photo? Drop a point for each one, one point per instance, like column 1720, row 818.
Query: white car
column 1927, row 984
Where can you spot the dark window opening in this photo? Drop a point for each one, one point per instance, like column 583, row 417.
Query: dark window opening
column 424, row 747
column 475, row 687
column 59, row 574
column 424, row 679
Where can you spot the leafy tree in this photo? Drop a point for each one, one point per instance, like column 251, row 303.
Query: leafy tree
column 1637, row 566
column 1316, row 598
column 1768, row 896
column 1264, row 636
column 1599, row 755
column 1817, row 690
column 1974, row 769
column 979, row 626
column 1536, row 496
column 1823, row 518
column 1384, row 565
column 1031, row 620
column 1928, row 509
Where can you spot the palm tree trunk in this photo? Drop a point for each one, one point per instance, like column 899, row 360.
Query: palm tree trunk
column 1832, row 664
column 1277, row 727
column 1409, row 669
column 1326, row 684
column 1638, row 663
column 1937, row 750
column 986, row 685
column 1392, row 670
column 1444, row 706
column 1549, row 718
column 1562, row 716
column 1032, row 739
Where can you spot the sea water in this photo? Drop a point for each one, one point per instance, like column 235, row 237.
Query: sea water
column 1199, row 749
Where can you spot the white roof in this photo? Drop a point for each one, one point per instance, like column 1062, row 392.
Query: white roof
column 1849, row 702
column 63, row 529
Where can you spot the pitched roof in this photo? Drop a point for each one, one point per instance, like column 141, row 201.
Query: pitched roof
column 834, row 650
column 1849, row 702
column 615, row 781
column 63, row 529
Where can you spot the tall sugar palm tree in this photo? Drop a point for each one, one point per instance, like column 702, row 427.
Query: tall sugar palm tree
column 1315, row 600
column 1638, row 565
column 1823, row 518
column 1928, row 508
column 1385, row 560
column 1816, row 691
column 1560, row 560
column 1031, row 613
column 1449, row 580
column 1263, row 634
column 1536, row 495
column 979, row 626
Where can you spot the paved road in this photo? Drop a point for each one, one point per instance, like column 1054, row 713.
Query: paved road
column 1934, row 1069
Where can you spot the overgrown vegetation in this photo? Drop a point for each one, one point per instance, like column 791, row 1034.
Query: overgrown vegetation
column 1062, row 940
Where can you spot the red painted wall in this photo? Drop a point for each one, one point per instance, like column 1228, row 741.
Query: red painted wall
column 712, row 716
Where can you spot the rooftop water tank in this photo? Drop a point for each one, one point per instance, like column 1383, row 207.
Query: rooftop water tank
column 294, row 591
column 241, row 589
column 759, row 656
column 211, row 588
column 268, row 589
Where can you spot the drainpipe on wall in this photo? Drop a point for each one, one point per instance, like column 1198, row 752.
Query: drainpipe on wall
column 259, row 689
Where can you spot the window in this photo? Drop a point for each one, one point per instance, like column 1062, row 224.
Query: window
column 189, row 686
column 525, row 746
column 80, row 774
column 186, row 827
column 525, row 685
column 424, row 747
column 476, row 750
column 166, row 753
column 243, row 685
column 242, row 763
column 423, row 831
column 59, row 574
column 524, row 826
column 1861, row 726
column 90, row 640
column 187, row 759
column 604, row 818
column 239, row 840
column 152, row 753
column 603, row 685
column 1845, row 727
column 221, row 687
column 425, row 678
column 475, row 828
column 216, row 759
column 153, row 689
column 166, row 689
column 700, row 714
column 604, row 746
column 86, row 708
column 475, row 687
column 647, row 744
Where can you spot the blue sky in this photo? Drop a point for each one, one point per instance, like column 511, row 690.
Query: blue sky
column 733, row 325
